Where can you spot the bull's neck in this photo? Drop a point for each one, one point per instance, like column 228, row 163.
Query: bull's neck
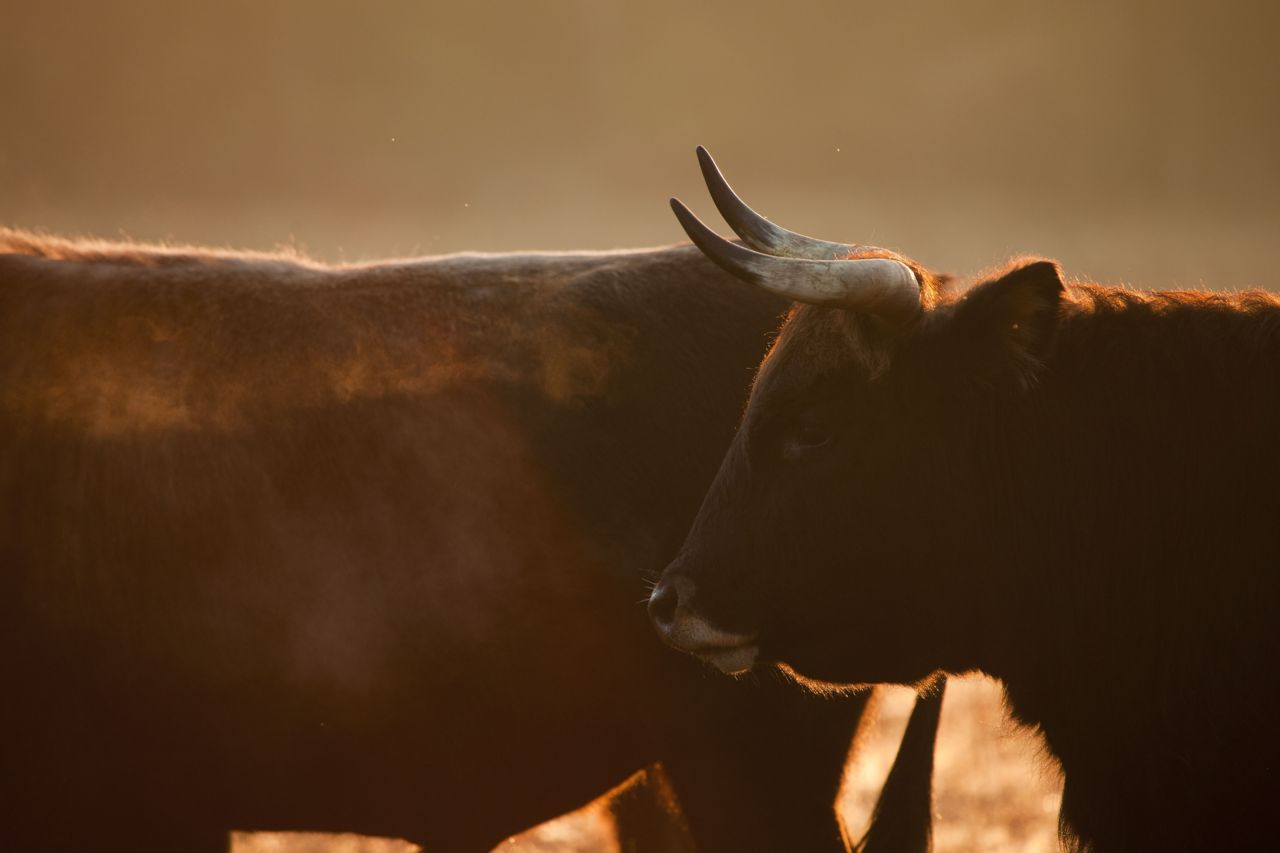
column 1131, row 499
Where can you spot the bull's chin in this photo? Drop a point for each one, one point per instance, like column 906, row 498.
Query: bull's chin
column 825, row 669
column 731, row 660
column 823, row 684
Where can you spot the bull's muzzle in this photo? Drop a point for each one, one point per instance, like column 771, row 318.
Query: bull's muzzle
column 671, row 609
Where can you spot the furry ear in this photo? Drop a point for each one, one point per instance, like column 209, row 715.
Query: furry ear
column 1006, row 325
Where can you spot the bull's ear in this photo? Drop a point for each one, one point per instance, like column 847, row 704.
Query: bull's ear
column 1005, row 326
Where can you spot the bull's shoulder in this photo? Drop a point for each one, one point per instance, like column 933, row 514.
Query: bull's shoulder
column 1188, row 320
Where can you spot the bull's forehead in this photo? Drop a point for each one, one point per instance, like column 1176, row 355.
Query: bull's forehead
column 816, row 342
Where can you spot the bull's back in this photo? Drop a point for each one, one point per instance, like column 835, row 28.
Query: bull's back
column 279, row 522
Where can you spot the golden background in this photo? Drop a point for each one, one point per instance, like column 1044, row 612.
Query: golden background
column 1133, row 141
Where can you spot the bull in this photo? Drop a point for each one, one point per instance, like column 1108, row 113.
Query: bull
column 358, row 549
column 1068, row 486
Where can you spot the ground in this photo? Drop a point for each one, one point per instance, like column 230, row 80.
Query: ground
column 994, row 789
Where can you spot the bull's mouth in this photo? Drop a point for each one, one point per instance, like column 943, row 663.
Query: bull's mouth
column 730, row 652
column 731, row 660
column 683, row 628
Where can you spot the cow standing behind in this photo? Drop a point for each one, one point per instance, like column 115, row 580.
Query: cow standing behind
column 1074, row 488
column 287, row 546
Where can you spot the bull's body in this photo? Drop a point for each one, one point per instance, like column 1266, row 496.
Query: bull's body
column 1073, row 488
column 361, row 549
column 1078, row 498
column 1131, row 509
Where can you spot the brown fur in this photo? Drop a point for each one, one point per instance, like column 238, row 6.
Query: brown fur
column 358, row 548
column 1071, row 488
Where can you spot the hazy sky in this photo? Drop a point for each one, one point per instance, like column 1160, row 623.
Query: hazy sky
column 1134, row 141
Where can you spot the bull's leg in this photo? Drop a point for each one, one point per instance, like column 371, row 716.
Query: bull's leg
column 903, row 818
column 758, row 764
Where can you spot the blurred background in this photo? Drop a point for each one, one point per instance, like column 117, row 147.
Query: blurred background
column 1133, row 141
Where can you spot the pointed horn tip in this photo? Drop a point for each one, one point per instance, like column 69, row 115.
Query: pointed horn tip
column 707, row 163
column 689, row 221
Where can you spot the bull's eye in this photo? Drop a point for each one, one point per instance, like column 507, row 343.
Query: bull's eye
column 805, row 439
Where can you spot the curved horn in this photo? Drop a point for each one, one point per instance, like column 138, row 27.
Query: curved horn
column 758, row 232
column 874, row 285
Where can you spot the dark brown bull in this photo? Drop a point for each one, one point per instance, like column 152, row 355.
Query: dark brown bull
column 359, row 549
column 1074, row 488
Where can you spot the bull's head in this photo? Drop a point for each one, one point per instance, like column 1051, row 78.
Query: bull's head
column 838, row 536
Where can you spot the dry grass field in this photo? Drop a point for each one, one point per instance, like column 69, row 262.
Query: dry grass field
column 994, row 790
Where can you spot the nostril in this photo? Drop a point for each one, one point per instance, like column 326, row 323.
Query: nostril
column 663, row 604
